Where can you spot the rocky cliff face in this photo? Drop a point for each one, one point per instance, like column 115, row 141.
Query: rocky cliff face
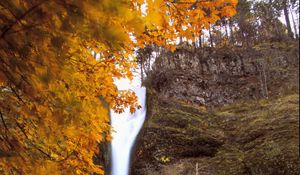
column 222, row 112
column 221, row 76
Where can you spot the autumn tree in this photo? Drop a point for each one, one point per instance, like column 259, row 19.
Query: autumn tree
column 54, row 96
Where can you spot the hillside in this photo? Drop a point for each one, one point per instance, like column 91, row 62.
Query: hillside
column 240, row 135
column 253, row 137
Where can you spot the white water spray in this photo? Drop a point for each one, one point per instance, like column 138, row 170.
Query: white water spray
column 126, row 127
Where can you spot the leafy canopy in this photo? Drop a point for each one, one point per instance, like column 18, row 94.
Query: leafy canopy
column 54, row 96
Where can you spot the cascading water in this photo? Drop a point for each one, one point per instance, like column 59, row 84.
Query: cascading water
column 126, row 127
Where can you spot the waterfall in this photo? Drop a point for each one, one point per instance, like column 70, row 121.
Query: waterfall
column 126, row 127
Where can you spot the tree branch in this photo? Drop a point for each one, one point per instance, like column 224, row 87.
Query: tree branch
column 31, row 9
column 6, row 130
column 34, row 146
column 22, row 29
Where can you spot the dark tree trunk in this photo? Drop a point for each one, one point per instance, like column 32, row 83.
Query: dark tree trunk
column 200, row 41
column 210, row 37
column 180, row 40
column 287, row 19
column 231, row 32
column 142, row 72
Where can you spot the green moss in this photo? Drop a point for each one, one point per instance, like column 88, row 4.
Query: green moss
column 248, row 137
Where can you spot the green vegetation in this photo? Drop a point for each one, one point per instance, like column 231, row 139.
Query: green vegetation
column 247, row 137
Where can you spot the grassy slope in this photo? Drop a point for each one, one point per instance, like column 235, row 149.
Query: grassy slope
column 253, row 137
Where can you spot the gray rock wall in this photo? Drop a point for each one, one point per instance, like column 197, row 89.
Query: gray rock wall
column 224, row 75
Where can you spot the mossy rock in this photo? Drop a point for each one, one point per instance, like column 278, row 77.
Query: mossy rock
column 249, row 137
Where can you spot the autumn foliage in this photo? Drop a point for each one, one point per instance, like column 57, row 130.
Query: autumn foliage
column 54, row 95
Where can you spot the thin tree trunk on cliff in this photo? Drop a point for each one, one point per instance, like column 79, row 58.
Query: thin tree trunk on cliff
column 142, row 72
column 261, row 67
column 294, row 24
column 194, row 44
column 274, row 22
column 227, row 33
column 231, row 32
column 180, row 40
column 210, row 37
column 148, row 65
column 200, row 41
column 287, row 19
column 265, row 80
